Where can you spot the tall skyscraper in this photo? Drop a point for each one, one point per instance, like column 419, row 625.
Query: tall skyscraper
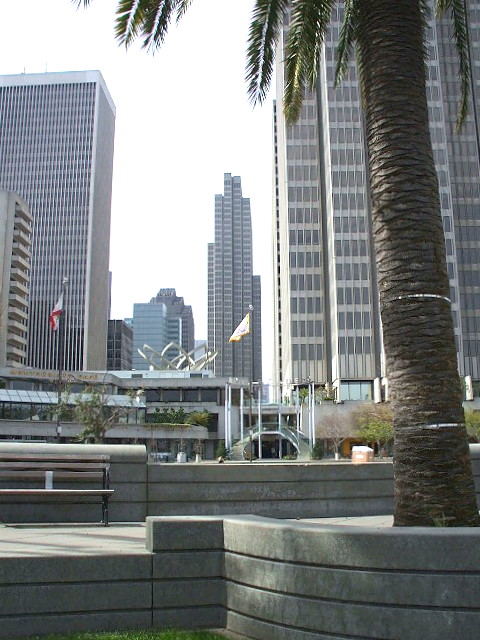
column 15, row 256
column 326, row 306
column 56, row 151
column 232, row 288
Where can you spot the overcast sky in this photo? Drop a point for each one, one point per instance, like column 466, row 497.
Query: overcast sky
column 183, row 120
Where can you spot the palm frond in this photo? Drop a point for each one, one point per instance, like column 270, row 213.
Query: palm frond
column 460, row 36
column 346, row 39
column 182, row 8
column 147, row 19
column 308, row 26
column 129, row 21
column 264, row 32
column 79, row 3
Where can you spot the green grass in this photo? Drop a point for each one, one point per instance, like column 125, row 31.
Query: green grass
column 134, row 635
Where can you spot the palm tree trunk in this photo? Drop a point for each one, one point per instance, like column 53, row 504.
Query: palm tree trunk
column 433, row 478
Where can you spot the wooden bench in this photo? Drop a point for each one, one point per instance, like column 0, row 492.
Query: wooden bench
column 50, row 468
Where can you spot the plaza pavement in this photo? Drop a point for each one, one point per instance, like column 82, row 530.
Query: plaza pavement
column 23, row 540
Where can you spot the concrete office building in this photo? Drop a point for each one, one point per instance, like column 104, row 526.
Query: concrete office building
column 327, row 323
column 15, row 257
column 232, row 288
column 119, row 346
column 56, row 151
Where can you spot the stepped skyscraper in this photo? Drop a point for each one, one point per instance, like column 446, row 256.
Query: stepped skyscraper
column 56, row 152
column 232, row 287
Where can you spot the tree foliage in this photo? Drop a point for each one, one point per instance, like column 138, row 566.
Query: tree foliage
column 335, row 426
column 472, row 420
column 374, row 423
column 91, row 409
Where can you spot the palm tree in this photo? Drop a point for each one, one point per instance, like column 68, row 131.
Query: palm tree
column 433, row 478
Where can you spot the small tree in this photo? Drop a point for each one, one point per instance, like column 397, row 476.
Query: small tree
column 374, row 423
column 221, row 451
column 201, row 418
column 472, row 421
column 335, row 427
column 91, row 409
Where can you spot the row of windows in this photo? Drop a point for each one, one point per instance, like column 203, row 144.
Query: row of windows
column 181, row 395
column 308, row 282
column 302, row 352
column 356, row 271
column 354, row 320
column 301, row 215
column 352, row 345
column 306, row 236
column 306, row 305
column 308, row 259
column 307, row 328
column 349, row 224
column 350, row 248
column 353, row 295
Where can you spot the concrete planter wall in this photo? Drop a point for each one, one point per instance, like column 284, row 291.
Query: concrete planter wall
column 296, row 581
column 287, row 490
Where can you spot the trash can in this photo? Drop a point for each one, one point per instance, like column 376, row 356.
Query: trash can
column 362, row 454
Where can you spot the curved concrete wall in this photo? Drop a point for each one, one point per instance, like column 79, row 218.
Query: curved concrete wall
column 299, row 581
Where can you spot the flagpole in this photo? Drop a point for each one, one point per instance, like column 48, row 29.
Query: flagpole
column 250, row 425
column 60, row 354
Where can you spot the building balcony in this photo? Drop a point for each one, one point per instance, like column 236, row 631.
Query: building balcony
column 20, row 262
column 21, row 224
column 18, row 301
column 23, row 214
column 15, row 355
column 22, row 249
column 17, row 327
column 17, row 287
column 22, row 238
column 16, row 341
column 18, row 313
column 20, row 275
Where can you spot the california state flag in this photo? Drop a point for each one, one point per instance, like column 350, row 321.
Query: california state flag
column 56, row 313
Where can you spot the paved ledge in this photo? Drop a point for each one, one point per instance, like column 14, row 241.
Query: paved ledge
column 23, row 540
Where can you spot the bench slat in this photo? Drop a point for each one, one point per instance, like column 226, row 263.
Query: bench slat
column 56, row 492
column 52, row 465
column 56, row 456
column 57, row 475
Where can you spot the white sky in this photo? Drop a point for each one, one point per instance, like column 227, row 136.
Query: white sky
column 183, row 120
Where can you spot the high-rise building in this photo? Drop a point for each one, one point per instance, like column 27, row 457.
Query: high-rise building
column 176, row 308
column 15, row 256
column 56, row 151
column 232, row 288
column 119, row 346
column 327, row 322
column 149, row 328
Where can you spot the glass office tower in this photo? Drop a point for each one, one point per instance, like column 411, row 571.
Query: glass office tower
column 327, row 327
column 56, row 151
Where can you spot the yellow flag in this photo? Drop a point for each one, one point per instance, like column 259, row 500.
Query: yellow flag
column 243, row 329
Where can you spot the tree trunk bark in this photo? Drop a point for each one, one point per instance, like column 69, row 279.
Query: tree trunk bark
column 432, row 469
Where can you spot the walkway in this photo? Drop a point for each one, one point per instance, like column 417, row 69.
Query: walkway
column 25, row 540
